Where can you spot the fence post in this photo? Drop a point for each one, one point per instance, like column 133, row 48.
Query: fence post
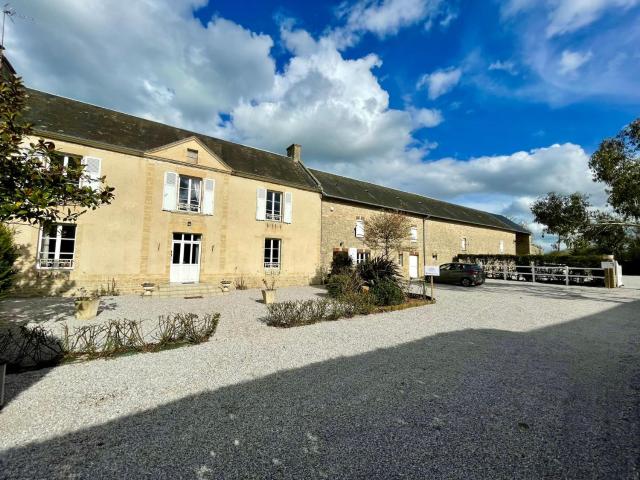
column 504, row 270
column 533, row 273
column 566, row 275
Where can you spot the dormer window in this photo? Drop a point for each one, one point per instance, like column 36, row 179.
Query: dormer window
column 192, row 154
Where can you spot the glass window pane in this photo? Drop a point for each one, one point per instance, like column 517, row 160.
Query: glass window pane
column 49, row 231
column 194, row 253
column 195, row 190
column 175, row 258
column 66, row 246
column 68, row 231
column 51, row 246
column 186, row 253
column 177, row 236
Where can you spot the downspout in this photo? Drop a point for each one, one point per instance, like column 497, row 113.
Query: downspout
column 424, row 244
column 321, row 190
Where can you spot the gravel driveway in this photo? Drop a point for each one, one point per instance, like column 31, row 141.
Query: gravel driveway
column 499, row 381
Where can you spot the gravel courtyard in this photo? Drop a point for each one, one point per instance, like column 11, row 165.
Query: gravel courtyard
column 500, row 381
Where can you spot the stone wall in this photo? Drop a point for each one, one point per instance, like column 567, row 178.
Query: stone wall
column 338, row 232
column 445, row 238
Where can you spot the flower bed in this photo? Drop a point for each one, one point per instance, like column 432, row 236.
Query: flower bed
column 307, row 312
column 25, row 348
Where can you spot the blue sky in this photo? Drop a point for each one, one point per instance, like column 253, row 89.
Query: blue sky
column 488, row 104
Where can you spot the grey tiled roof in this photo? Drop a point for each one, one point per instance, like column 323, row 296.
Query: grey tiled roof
column 70, row 118
column 352, row 190
column 63, row 116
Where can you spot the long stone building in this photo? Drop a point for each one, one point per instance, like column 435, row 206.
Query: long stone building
column 190, row 208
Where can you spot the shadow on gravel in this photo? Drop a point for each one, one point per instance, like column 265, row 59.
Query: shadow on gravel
column 560, row 402
column 21, row 311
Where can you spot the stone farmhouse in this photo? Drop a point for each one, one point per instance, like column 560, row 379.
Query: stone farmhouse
column 190, row 208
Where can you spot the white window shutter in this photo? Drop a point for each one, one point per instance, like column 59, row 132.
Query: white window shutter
column 353, row 253
column 359, row 228
column 288, row 207
column 208, row 197
column 261, row 204
column 91, row 172
column 170, row 193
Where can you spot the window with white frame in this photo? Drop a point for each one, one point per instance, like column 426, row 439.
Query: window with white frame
column 57, row 246
column 274, row 206
column 359, row 227
column 362, row 257
column 414, row 234
column 189, row 194
column 65, row 162
column 272, row 252
column 463, row 244
column 401, row 259
column 501, row 246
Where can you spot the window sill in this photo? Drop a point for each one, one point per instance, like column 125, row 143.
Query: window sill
column 184, row 212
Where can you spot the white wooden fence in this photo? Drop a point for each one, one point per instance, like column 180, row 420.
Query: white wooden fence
column 548, row 273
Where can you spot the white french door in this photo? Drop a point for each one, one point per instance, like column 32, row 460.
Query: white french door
column 185, row 258
column 413, row 266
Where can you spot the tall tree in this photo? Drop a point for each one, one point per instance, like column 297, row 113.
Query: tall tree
column 563, row 215
column 617, row 164
column 386, row 232
column 35, row 186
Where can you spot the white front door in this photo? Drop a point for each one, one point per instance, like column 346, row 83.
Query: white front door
column 185, row 258
column 413, row 266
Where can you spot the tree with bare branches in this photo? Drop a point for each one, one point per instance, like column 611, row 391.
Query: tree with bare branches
column 386, row 232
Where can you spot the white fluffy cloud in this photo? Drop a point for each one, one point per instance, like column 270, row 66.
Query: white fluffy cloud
column 333, row 106
column 440, row 82
column 505, row 184
column 146, row 58
column 506, row 66
column 387, row 17
column 602, row 58
column 565, row 16
column 571, row 61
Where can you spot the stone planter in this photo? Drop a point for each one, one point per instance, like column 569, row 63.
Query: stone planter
column 268, row 296
column 225, row 286
column 87, row 308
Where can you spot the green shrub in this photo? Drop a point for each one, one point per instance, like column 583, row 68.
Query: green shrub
column 387, row 292
column 362, row 303
column 8, row 257
column 306, row 312
column 377, row 269
column 344, row 283
column 341, row 263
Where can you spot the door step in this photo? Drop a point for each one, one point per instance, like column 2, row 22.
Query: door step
column 187, row 290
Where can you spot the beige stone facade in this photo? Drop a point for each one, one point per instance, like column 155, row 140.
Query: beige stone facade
column 339, row 234
column 444, row 239
column 190, row 208
column 130, row 241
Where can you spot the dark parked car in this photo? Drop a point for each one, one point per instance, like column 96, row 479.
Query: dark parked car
column 466, row 274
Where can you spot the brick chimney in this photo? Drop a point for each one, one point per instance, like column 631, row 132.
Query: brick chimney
column 294, row 151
